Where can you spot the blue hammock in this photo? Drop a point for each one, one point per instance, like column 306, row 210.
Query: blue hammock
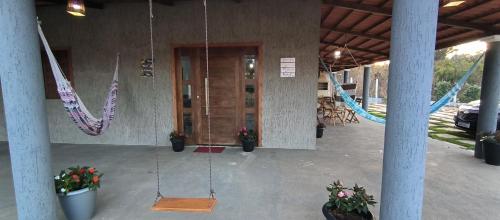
column 453, row 92
column 434, row 107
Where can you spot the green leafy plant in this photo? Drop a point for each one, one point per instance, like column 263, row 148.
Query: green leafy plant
column 247, row 135
column 76, row 178
column 348, row 201
column 174, row 135
column 492, row 136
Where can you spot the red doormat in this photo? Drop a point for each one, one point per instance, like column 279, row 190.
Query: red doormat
column 204, row 149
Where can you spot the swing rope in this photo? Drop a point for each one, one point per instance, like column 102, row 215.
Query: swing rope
column 151, row 16
column 159, row 196
column 212, row 191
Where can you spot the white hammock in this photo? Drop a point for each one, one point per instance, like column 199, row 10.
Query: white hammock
column 74, row 105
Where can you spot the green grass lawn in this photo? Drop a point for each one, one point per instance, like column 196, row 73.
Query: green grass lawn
column 439, row 128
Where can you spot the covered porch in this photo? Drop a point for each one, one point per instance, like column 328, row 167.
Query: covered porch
column 272, row 183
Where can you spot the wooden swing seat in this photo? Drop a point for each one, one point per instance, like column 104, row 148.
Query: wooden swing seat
column 184, row 205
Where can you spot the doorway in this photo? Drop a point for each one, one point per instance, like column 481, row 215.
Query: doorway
column 231, row 88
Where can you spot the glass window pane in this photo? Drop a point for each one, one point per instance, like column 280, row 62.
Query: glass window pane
column 186, row 96
column 250, row 121
column 249, row 95
column 188, row 124
column 186, row 67
column 250, row 66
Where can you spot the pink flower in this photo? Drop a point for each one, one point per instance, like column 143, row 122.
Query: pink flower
column 348, row 193
column 341, row 194
column 245, row 133
column 244, row 129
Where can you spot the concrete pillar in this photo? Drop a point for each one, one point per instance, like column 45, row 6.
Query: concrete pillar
column 413, row 38
column 346, row 76
column 490, row 94
column 366, row 86
column 25, row 113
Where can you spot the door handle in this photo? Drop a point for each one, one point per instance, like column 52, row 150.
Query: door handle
column 206, row 96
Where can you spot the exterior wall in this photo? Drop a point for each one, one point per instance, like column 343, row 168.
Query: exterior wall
column 285, row 28
column 323, row 78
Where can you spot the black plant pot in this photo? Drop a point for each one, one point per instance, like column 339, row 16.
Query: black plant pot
column 329, row 215
column 248, row 146
column 177, row 145
column 491, row 151
column 319, row 132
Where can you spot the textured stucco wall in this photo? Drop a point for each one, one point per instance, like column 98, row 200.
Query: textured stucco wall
column 285, row 28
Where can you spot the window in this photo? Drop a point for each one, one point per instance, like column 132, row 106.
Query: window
column 322, row 86
column 250, row 89
column 64, row 59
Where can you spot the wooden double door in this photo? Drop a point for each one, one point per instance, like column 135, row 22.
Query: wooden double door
column 214, row 105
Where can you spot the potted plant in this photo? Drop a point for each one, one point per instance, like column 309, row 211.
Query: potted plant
column 248, row 139
column 347, row 203
column 177, row 140
column 76, row 188
column 491, row 148
column 319, row 130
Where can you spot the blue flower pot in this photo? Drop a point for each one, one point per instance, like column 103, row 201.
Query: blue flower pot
column 78, row 205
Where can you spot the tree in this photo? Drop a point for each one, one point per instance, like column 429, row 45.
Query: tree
column 441, row 88
column 442, row 53
column 469, row 93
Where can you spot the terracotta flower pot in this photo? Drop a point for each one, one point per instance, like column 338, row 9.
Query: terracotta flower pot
column 78, row 205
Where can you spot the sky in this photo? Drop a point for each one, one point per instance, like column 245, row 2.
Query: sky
column 473, row 47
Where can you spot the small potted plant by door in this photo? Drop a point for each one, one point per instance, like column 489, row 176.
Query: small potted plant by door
column 347, row 203
column 76, row 188
column 177, row 140
column 491, row 148
column 248, row 139
column 319, row 130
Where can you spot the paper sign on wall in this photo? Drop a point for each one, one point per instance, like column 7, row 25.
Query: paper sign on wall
column 287, row 66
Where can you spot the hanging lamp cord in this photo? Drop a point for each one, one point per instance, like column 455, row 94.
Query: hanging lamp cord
column 212, row 191
column 158, row 193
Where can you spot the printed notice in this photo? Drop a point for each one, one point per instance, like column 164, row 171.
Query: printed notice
column 287, row 66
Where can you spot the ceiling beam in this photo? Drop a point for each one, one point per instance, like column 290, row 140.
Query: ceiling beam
column 339, row 30
column 360, row 7
column 165, row 2
column 88, row 3
column 388, row 12
column 357, row 49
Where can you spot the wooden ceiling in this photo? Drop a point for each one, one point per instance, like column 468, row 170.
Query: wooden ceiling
column 365, row 26
column 99, row 4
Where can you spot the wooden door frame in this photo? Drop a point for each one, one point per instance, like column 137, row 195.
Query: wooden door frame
column 176, row 100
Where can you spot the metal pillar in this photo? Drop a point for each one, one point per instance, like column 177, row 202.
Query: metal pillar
column 490, row 94
column 366, row 86
column 346, row 76
column 25, row 112
column 413, row 38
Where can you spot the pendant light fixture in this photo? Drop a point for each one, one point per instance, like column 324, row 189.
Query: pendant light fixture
column 453, row 3
column 76, row 7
